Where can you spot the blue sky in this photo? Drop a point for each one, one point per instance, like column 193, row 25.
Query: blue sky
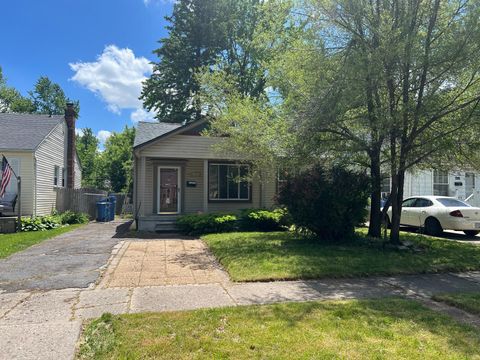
column 97, row 50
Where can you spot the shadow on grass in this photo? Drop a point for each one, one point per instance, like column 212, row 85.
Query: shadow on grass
column 278, row 256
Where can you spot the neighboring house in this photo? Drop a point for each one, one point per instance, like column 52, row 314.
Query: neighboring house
column 41, row 149
column 459, row 184
column 176, row 171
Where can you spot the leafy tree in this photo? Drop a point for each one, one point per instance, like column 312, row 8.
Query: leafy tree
column 194, row 41
column 115, row 163
column 87, row 148
column 417, row 83
column 11, row 100
column 49, row 98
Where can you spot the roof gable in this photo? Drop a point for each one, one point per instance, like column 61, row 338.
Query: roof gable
column 148, row 132
column 25, row 131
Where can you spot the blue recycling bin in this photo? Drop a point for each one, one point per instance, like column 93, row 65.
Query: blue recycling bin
column 113, row 205
column 103, row 211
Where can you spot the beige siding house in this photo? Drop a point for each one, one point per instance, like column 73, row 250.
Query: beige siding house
column 37, row 149
column 177, row 171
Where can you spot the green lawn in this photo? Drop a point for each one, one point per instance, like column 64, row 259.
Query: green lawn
column 367, row 329
column 280, row 256
column 12, row 243
column 467, row 301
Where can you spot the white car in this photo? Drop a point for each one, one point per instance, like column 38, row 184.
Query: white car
column 438, row 213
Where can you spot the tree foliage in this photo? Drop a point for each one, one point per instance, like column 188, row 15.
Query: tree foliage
column 115, row 163
column 87, row 148
column 11, row 100
column 49, row 98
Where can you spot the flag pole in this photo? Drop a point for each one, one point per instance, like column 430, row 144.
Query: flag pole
column 19, row 197
column 19, row 190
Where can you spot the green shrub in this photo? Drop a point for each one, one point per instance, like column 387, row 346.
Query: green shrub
column 328, row 202
column 40, row 223
column 206, row 223
column 264, row 220
column 71, row 217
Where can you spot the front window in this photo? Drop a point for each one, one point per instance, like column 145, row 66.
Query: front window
column 63, row 177
column 228, row 182
column 56, row 172
column 440, row 183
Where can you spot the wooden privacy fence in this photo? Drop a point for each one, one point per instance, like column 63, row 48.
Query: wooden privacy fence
column 79, row 200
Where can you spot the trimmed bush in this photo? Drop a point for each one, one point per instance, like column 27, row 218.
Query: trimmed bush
column 40, row 223
column 71, row 217
column 206, row 223
column 264, row 220
column 326, row 202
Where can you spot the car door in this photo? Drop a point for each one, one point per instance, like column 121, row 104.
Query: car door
column 419, row 211
column 407, row 206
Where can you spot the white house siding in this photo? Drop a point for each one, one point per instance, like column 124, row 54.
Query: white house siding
column 23, row 164
column 420, row 182
column 48, row 154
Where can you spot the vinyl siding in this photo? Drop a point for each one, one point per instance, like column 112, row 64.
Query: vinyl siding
column 185, row 146
column 26, row 164
column 50, row 152
column 193, row 197
column 189, row 152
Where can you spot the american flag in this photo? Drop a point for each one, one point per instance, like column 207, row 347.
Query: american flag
column 6, row 175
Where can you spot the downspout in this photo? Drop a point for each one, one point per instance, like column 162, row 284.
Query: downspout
column 35, row 185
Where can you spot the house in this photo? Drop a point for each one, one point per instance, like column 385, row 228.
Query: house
column 41, row 150
column 457, row 183
column 177, row 171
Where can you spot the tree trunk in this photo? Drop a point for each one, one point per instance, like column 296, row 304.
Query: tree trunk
column 397, row 198
column 375, row 226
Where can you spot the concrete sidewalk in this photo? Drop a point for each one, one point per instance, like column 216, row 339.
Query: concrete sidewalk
column 46, row 325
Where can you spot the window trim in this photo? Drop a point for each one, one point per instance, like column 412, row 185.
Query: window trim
column 443, row 184
column 223, row 200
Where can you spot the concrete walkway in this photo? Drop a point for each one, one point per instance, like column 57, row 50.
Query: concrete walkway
column 45, row 324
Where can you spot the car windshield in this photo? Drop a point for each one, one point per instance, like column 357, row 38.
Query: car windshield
column 452, row 202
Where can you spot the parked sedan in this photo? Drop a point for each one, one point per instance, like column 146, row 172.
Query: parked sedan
column 438, row 213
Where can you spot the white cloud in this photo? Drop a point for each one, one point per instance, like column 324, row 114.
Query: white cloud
column 116, row 77
column 103, row 135
column 142, row 115
column 79, row 131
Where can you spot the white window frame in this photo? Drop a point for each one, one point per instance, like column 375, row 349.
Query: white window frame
column 248, row 199
column 440, row 174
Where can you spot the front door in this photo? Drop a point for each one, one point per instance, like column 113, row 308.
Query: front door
column 168, row 197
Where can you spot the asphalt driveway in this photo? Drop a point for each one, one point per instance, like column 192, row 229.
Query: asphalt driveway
column 71, row 260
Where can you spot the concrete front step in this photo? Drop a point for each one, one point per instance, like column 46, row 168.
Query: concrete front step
column 159, row 223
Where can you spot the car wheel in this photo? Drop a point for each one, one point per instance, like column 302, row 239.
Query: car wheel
column 471, row 232
column 433, row 227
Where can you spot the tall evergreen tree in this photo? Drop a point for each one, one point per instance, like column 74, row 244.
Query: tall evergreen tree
column 195, row 39
column 49, row 98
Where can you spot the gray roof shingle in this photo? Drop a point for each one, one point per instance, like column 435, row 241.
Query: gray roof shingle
column 147, row 131
column 25, row 131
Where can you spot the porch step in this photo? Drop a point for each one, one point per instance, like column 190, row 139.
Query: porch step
column 158, row 223
column 165, row 226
